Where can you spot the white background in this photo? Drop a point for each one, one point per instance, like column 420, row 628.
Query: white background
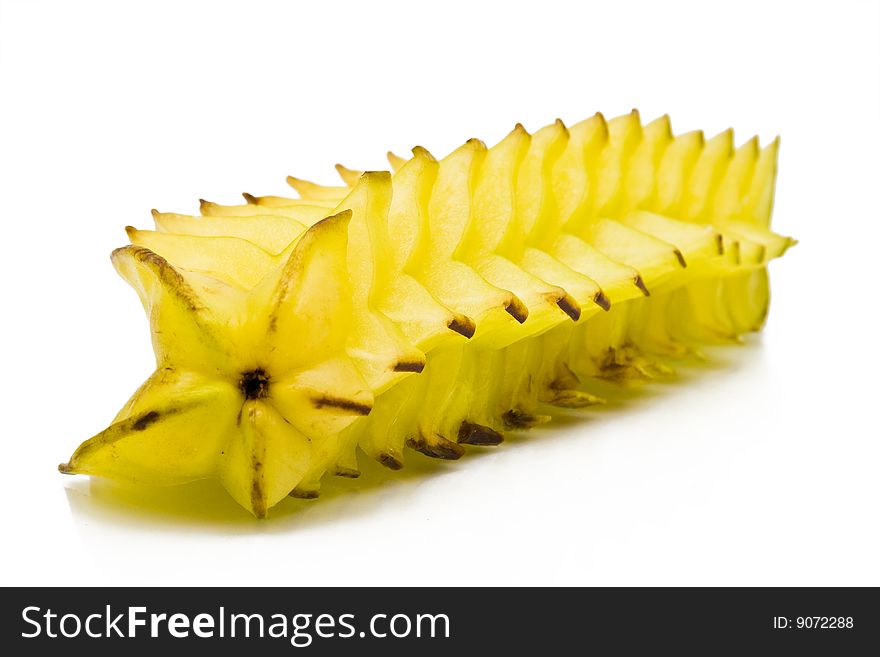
column 759, row 469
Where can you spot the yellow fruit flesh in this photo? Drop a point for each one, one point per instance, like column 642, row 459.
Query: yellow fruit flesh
column 437, row 307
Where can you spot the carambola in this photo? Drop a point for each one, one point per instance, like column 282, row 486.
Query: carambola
column 435, row 307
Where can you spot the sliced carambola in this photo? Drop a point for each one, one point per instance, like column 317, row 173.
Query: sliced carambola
column 437, row 307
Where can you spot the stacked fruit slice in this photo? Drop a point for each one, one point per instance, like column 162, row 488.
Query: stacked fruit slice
column 435, row 307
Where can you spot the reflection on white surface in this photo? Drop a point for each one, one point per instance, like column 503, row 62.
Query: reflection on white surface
column 204, row 506
column 708, row 477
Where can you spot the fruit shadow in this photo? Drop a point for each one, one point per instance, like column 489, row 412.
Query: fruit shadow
column 204, row 507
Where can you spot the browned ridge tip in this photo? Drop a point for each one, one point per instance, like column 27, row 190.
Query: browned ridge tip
column 439, row 448
column 409, row 366
column 250, row 198
column 471, row 433
column 389, row 461
column 516, row 419
column 640, row 283
column 463, row 326
column 680, row 257
column 602, row 301
column 517, row 309
column 304, row 494
column 570, row 307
